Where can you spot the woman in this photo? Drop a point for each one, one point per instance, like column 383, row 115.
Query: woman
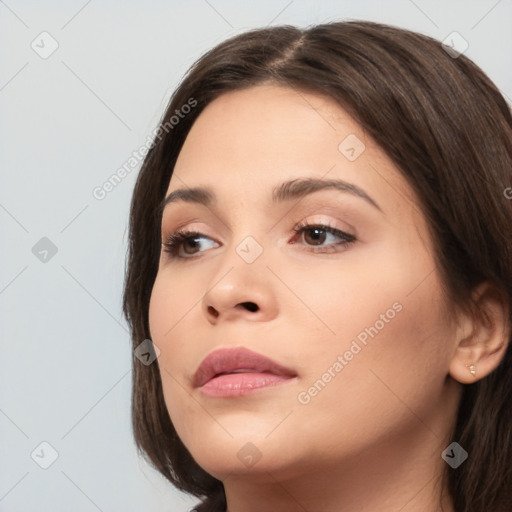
column 320, row 250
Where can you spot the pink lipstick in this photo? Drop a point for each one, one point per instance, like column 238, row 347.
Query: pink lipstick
column 238, row 371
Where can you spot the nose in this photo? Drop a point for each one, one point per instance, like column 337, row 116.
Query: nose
column 239, row 290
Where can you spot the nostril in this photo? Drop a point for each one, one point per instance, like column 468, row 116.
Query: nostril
column 250, row 306
column 213, row 311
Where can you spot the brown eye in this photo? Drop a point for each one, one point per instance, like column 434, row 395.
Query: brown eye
column 184, row 244
column 190, row 245
column 315, row 236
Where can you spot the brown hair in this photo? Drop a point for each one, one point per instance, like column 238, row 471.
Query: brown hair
column 448, row 130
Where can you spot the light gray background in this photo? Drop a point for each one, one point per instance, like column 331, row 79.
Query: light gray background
column 68, row 122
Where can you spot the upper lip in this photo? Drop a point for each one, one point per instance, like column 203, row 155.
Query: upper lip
column 227, row 360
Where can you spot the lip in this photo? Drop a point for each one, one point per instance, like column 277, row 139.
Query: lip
column 215, row 374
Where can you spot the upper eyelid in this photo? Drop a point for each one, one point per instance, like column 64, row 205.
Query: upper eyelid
column 305, row 219
column 300, row 226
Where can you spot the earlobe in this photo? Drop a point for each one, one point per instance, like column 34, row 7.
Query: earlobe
column 482, row 336
column 472, row 369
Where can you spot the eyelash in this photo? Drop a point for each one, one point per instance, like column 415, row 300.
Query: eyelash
column 174, row 241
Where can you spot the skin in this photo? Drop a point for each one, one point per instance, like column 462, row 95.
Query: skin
column 372, row 437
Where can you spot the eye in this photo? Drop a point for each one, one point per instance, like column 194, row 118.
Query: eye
column 315, row 235
column 187, row 241
column 184, row 244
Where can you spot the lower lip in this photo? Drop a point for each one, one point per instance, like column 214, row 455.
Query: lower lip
column 240, row 384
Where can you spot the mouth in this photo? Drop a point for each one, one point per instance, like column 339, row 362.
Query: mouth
column 239, row 371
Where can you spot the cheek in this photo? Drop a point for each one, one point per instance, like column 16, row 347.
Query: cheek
column 394, row 347
column 172, row 319
column 167, row 305
column 174, row 308
column 386, row 321
column 171, row 305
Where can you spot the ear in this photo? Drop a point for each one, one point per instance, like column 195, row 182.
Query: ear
column 482, row 336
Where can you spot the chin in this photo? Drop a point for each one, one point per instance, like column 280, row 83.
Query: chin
column 240, row 455
column 247, row 460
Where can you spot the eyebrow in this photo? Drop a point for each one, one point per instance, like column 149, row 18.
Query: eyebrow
column 285, row 191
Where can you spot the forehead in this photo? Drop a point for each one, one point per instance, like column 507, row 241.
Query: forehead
column 269, row 123
column 245, row 142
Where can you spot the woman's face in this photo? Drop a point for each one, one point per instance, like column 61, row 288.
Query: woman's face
column 359, row 317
